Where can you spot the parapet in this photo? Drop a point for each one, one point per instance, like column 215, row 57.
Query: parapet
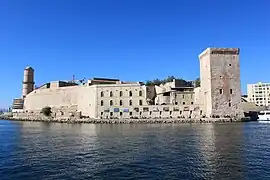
column 224, row 51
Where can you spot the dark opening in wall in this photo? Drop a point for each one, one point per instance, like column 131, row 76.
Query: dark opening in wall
column 230, row 91
column 220, row 91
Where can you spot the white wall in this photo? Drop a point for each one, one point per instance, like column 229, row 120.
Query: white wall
column 39, row 98
column 87, row 101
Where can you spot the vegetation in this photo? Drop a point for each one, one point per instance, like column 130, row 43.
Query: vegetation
column 197, row 82
column 183, row 82
column 46, row 111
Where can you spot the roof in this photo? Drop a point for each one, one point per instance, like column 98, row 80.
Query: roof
column 28, row 68
column 105, row 79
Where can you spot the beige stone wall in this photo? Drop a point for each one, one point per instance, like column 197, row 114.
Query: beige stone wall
column 87, row 101
column 55, row 98
column 184, row 98
column 156, row 111
column 120, row 96
column 198, row 96
column 205, row 78
column 225, row 72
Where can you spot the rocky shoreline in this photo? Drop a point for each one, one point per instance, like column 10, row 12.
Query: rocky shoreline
column 127, row 121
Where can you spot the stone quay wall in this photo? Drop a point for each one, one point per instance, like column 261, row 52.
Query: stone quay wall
column 73, row 120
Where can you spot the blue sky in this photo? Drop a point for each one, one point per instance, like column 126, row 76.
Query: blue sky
column 132, row 40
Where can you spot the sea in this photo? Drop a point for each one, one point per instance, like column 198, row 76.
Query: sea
column 55, row 151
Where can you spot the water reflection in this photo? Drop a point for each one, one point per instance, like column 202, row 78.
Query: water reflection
column 34, row 150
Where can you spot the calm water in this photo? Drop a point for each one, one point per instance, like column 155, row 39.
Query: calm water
column 31, row 150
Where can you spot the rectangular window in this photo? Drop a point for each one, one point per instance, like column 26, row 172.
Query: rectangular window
column 230, row 91
column 101, row 113
column 145, row 109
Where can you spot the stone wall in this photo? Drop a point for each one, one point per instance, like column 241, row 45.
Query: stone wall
column 55, row 97
column 225, row 85
column 156, row 111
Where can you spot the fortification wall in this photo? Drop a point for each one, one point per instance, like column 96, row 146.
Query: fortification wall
column 55, row 98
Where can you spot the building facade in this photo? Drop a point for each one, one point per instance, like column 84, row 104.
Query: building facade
column 219, row 94
column 259, row 93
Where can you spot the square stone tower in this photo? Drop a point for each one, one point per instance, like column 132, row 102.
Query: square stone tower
column 220, row 82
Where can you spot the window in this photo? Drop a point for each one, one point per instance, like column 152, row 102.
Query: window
column 101, row 103
column 121, row 113
column 111, row 94
column 130, row 102
column 120, row 93
column 230, row 64
column 230, row 91
column 130, row 113
column 220, row 91
column 101, row 94
column 136, row 109
column 111, row 113
column 183, row 96
column 190, row 112
column 184, row 103
column 130, row 93
column 101, row 113
column 140, row 102
column 230, row 104
column 201, row 112
column 111, row 103
column 145, row 109
column 121, row 103
column 140, row 93
column 180, row 112
column 191, row 102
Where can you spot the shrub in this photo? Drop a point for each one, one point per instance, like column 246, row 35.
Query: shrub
column 46, row 111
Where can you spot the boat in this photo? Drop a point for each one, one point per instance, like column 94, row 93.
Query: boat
column 264, row 116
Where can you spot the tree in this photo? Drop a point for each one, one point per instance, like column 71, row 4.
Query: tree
column 197, row 82
column 46, row 111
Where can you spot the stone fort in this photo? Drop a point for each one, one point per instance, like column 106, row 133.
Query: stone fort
column 219, row 94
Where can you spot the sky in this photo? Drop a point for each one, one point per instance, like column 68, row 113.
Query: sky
column 134, row 40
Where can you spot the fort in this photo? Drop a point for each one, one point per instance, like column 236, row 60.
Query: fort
column 219, row 95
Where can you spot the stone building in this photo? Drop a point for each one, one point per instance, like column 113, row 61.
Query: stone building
column 219, row 94
column 220, row 81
